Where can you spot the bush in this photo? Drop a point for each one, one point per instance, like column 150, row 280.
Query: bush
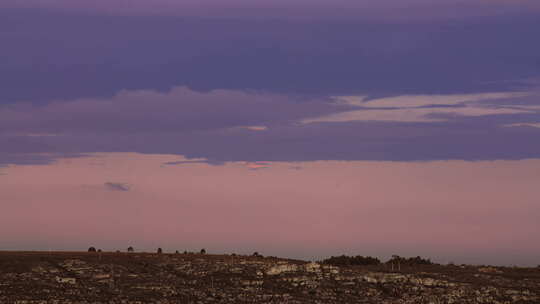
column 415, row 261
column 92, row 249
column 159, row 251
column 351, row 260
column 203, row 251
column 130, row 249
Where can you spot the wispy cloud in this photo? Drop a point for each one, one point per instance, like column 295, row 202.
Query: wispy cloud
column 257, row 165
column 255, row 128
column 117, row 186
column 525, row 124
column 427, row 108
column 414, row 114
column 187, row 162
column 413, row 101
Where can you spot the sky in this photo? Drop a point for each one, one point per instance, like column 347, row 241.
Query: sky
column 295, row 128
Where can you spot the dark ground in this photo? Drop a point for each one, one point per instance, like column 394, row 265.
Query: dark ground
column 81, row 277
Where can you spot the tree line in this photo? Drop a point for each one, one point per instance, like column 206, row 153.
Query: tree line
column 359, row 260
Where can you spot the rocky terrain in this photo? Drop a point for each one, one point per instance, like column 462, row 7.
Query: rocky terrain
column 30, row 277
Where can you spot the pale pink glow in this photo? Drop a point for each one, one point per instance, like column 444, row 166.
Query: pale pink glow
column 449, row 210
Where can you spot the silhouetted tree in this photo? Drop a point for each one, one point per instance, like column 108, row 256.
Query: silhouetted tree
column 130, row 249
column 99, row 250
column 414, row 261
column 91, row 249
column 256, row 254
column 159, row 251
column 351, row 260
column 177, row 252
column 203, row 251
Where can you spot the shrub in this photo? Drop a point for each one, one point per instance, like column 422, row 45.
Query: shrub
column 203, row 251
column 159, row 251
column 91, row 249
column 414, row 261
column 130, row 249
column 351, row 260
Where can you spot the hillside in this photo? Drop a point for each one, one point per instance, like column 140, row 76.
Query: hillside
column 75, row 277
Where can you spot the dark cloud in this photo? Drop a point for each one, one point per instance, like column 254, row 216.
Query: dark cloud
column 117, row 186
column 290, row 9
column 241, row 89
column 211, row 128
column 70, row 56
column 31, row 158
column 178, row 110
column 185, row 162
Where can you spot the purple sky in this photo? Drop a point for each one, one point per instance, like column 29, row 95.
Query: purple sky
column 312, row 9
column 329, row 85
